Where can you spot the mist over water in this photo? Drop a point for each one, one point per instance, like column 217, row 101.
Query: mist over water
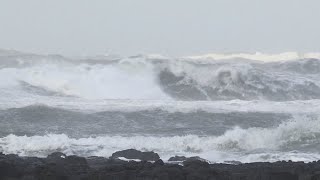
column 247, row 107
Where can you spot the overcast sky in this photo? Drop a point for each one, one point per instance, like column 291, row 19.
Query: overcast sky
column 169, row 27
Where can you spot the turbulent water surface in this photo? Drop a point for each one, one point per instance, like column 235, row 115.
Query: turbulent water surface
column 244, row 107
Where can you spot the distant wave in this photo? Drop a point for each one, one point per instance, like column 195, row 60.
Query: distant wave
column 286, row 56
column 40, row 120
column 156, row 77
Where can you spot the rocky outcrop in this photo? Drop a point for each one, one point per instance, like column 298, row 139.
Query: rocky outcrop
column 183, row 158
column 59, row 166
column 135, row 154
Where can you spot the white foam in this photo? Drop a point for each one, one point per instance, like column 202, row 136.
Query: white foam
column 209, row 76
column 138, row 77
column 131, row 85
column 245, row 80
column 125, row 159
column 120, row 81
column 286, row 56
column 251, row 144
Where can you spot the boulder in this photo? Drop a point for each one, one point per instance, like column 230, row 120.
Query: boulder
column 135, row 154
column 60, row 166
column 178, row 158
column 183, row 158
column 56, row 156
column 196, row 163
column 159, row 163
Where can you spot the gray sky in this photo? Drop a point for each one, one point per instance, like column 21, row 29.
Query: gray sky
column 169, row 27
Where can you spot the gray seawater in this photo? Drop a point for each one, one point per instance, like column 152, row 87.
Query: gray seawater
column 232, row 109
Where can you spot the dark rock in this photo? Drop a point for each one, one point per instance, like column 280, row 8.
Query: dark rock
column 59, row 166
column 183, row 158
column 56, row 156
column 177, row 158
column 159, row 163
column 283, row 176
column 99, row 162
column 76, row 160
column 135, row 154
column 11, row 166
column 168, row 172
column 196, row 163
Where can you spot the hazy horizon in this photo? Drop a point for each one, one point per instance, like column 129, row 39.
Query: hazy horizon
column 174, row 28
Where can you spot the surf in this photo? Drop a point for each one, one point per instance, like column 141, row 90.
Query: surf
column 160, row 78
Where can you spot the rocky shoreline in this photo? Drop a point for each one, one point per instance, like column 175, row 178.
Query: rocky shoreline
column 136, row 165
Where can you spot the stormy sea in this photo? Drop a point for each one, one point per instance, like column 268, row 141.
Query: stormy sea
column 221, row 107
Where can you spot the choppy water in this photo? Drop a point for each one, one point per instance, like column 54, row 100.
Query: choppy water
column 244, row 107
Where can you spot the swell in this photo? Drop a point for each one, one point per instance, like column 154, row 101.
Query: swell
column 40, row 120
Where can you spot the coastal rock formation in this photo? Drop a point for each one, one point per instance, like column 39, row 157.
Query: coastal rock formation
column 183, row 158
column 58, row 166
column 135, row 154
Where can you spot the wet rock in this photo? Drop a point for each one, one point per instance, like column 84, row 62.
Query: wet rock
column 159, row 163
column 60, row 166
column 11, row 166
column 196, row 163
column 178, row 158
column 183, row 158
column 135, row 154
column 96, row 162
column 56, row 156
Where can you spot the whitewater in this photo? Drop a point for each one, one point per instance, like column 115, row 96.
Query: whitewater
column 221, row 107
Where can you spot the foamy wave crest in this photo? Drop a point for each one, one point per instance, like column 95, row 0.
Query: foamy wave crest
column 239, row 80
column 258, row 56
column 299, row 133
column 155, row 77
column 119, row 81
column 293, row 136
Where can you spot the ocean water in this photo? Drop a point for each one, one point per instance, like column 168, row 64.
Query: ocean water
column 221, row 107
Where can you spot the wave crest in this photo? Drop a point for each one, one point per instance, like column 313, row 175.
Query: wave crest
column 289, row 136
column 147, row 77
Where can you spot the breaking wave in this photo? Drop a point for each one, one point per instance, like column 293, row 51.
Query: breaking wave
column 290, row 137
column 244, row 107
column 160, row 78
